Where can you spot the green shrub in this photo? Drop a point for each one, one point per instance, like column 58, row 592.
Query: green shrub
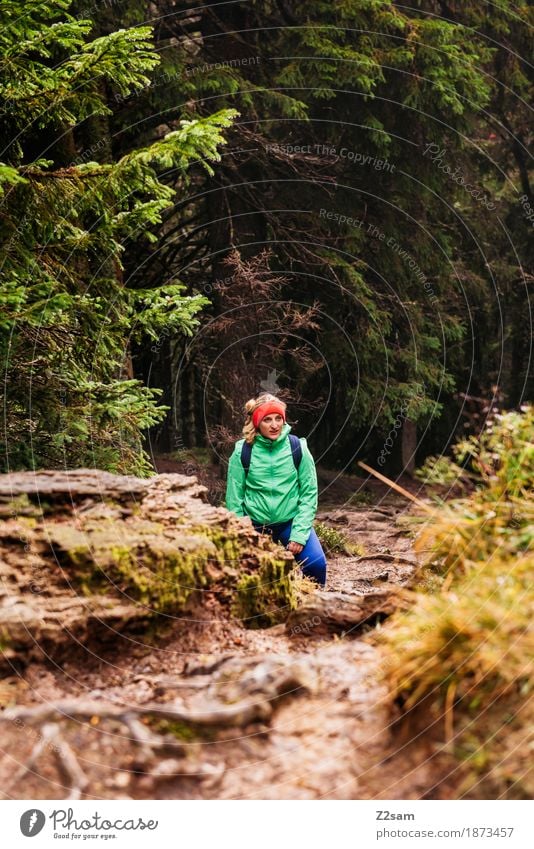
column 335, row 541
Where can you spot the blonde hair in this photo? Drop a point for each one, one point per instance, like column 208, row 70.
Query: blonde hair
column 249, row 431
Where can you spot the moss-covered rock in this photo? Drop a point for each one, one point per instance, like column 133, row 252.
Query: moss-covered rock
column 144, row 564
column 267, row 594
column 151, row 547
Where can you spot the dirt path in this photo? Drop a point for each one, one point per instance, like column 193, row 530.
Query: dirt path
column 327, row 731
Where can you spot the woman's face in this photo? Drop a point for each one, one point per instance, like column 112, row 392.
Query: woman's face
column 271, row 425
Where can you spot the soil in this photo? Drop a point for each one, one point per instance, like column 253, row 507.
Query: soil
column 329, row 733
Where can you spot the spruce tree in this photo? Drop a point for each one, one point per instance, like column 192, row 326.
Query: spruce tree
column 68, row 316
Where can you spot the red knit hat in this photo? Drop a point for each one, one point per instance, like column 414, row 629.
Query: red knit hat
column 266, row 408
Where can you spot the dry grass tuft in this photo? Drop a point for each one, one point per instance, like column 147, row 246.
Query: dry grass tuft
column 462, row 658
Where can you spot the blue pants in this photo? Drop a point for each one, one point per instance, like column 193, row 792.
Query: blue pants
column 311, row 559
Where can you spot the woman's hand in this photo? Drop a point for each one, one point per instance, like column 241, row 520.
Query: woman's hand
column 294, row 547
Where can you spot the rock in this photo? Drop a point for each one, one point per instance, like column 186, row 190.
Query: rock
column 85, row 554
column 328, row 612
column 36, row 625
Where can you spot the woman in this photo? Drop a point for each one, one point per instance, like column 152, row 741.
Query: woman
column 272, row 479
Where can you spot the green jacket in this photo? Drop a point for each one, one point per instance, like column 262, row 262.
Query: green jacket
column 274, row 491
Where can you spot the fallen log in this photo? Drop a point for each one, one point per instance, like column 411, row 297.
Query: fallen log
column 325, row 612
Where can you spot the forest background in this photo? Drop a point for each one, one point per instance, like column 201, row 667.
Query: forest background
column 203, row 201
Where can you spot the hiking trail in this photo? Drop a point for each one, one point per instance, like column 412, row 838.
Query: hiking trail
column 293, row 711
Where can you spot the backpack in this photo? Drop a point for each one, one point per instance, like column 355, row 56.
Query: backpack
column 296, row 451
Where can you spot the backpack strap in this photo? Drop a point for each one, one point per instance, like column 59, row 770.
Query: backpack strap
column 246, row 453
column 296, row 451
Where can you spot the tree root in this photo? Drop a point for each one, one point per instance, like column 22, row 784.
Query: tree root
column 69, row 762
column 222, row 716
column 246, row 692
column 389, row 558
column 150, row 743
column 51, row 738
